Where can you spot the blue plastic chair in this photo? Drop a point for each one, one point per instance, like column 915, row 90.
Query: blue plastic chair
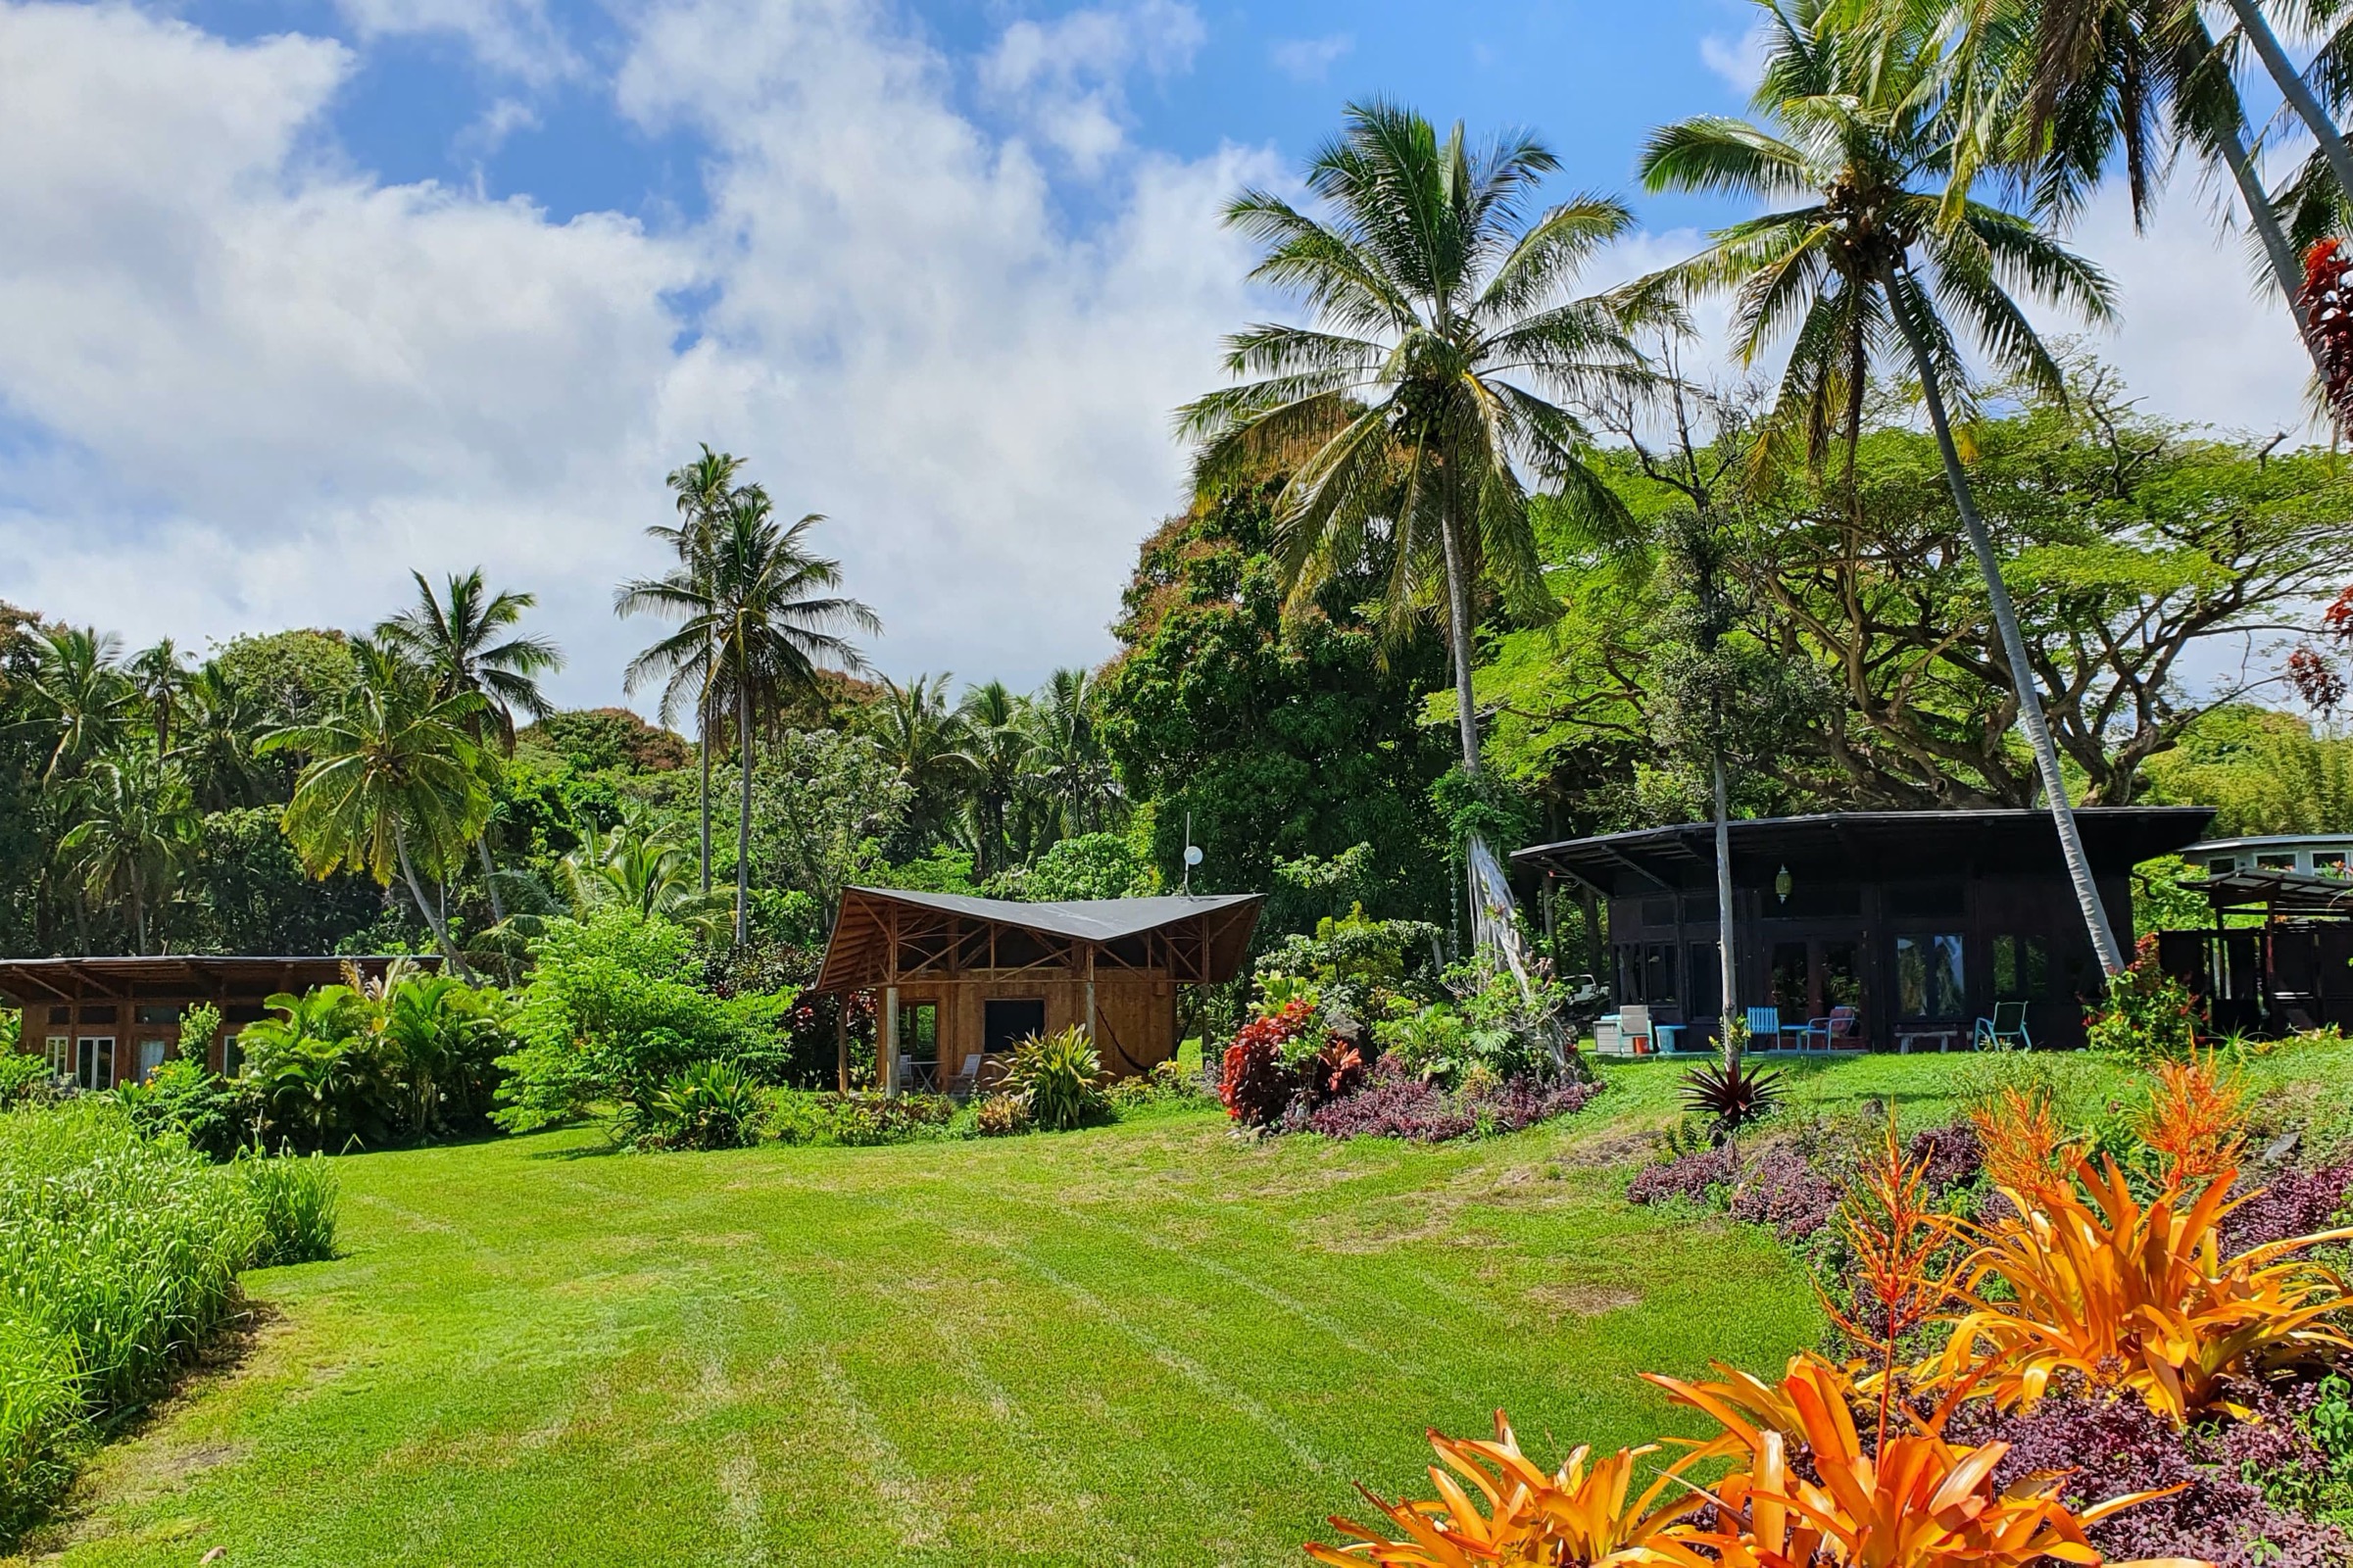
column 2005, row 1029
column 1765, row 1023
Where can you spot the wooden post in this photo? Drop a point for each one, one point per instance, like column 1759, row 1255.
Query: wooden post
column 886, row 1053
column 840, row 1042
column 1091, row 1040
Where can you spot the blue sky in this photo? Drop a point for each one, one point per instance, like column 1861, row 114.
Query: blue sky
column 305, row 293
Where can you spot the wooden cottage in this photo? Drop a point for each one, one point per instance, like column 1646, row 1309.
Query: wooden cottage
column 114, row 1021
column 961, row 980
column 1920, row 921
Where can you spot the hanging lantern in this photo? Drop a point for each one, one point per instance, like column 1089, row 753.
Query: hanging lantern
column 1782, row 883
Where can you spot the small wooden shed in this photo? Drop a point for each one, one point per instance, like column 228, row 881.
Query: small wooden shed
column 963, row 979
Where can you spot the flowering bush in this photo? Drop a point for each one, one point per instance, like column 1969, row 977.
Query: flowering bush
column 1395, row 1102
column 2148, row 1013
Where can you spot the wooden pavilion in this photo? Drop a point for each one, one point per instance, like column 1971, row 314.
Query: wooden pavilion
column 103, row 1021
column 963, row 979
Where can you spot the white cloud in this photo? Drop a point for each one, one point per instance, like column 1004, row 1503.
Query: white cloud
column 515, row 36
column 1309, row 58
column 253, row 387
column 1740, row 61
column 1067, row 79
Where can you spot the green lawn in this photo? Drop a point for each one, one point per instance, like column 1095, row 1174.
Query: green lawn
column 1150, row 1343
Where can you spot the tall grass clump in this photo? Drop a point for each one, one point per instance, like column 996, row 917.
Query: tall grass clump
column 119, row 1256
column 293, row 1204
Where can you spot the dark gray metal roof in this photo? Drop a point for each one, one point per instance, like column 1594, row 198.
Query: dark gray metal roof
column 1875, row 845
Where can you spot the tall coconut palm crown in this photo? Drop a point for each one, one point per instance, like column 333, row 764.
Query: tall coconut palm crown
column 1876, row 246
column 1438, row 381
column 757, row 616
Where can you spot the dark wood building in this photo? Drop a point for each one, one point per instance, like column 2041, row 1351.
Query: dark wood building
column 961, row 979
column 112, row 1020
column 1921, row 920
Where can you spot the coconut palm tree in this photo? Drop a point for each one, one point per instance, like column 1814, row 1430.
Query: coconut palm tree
column 995, row 759
column 464, row 643
column 1067, row 754
column 701, row 490
column 396, row 782
column 1435, row 386
column 924, row 739
column 756, row 621
column 219, row 721
column 136, row 826
column 1860, row 258
column 77, row 697
column 159, row 679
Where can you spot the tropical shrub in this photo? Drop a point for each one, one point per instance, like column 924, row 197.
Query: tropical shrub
column 1002, row 1116
column 184, row 1097
column 1169, row 1083
column 2147, row 1014
column 23, row 1078
column 1782, row 1190
column 40, row 1420
column 1261, row 1074
column 615, row 1007
column 2293, row 1200
column 803, row 1116
column 710, row 1105
column 1059, row 1076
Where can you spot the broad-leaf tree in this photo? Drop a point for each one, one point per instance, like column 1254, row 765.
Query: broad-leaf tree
column 1859, row 256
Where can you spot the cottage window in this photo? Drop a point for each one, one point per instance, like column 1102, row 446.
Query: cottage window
column 2022, row 968
column 1927, row 976
column 60, row 1055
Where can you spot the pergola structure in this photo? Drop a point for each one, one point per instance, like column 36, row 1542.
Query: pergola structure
column 108, row 1020
column 2286, row 966
column 961, row 979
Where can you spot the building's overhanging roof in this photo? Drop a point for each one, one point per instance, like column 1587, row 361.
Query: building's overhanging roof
column 1882, row 846
column 2289, row 893
column 857, row 931
column 30, row 982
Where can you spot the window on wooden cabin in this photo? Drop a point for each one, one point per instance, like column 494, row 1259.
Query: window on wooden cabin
column 2275, row 863
column 60, row 1055
column 1927, row 976
column 2022, row 968
column 1843, row 974
column 1790, row 992
column 94, row 1062
column 919, row 1031
column 157, row 1012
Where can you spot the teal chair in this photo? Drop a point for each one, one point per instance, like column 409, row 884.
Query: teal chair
column 1764, row 1023
column 2005, row 1030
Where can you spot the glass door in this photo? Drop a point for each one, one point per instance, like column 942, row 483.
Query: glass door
column 94, row 1068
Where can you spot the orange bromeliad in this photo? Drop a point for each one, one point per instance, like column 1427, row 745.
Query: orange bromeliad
column 1915, row 1501
column 1583, row 1512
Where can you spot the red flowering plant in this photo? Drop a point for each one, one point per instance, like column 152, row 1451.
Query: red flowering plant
column 1286, row 1055
column 2148, row 1013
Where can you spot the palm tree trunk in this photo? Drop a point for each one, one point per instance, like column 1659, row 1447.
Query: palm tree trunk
column 2014, row 647
column 743, row 819
column 426, row 908
column 2296, row 90
column 2265, row 219
column 703, row 713
column 490, row 878
column 1458, row 644
column 1724, row 949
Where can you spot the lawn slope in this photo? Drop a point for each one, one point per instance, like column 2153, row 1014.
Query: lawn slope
column 1150, row 1343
